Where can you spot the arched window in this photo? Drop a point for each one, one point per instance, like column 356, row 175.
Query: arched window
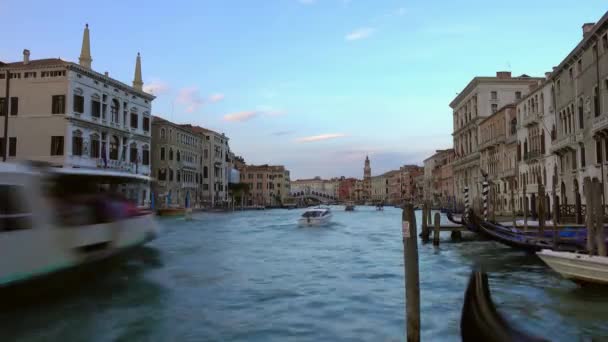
column 145, row 159
column 170, row 175
column 133, row 152
column 114, row 109
column 205, row 172
column 162, row 153
column 95, row 106
column 114, row 147
column 178, row 156
column 162, row 133
column 77, row 143
column 94, row 146
column 178, row 176
column 170, row 154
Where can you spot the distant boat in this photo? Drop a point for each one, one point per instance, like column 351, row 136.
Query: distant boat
column 315, row 217
column 349, row 206
column 580, row 268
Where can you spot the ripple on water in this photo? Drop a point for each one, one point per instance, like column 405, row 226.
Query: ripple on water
column 258, row 276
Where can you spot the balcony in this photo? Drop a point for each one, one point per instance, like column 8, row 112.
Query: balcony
column 471, row 157
column 532, row 156
column 497, row 140
column 530, row 120
column 564, row 143
column 508, row 173
column 600, row 124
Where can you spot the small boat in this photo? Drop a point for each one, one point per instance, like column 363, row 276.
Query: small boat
column 57, row 219
column 580, row 268
column 349, row 206
column 315, row 217
column 481, row 321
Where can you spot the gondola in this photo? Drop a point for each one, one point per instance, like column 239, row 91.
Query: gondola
column 471, row 226
column 519, row 239
column 451, row 218
column 480, row 321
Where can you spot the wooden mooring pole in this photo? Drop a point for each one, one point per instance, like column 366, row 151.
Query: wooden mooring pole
column 598, row 214
column 436, row 230
column 541, row 207
column 410, row 263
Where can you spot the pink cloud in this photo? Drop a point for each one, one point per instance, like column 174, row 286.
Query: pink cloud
column 321, row 137
column 240, row 116
column 191, row 98
column 216, row 97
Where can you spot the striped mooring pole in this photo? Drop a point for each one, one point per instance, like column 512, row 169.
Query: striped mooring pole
column 484, row 192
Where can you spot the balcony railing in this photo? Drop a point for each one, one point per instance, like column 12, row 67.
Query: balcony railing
column 532, row 155
column 530, row 119
column 600, row 123
column 563, row 142
column 499, row 139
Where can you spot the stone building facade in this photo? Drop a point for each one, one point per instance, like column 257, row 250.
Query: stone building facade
column 579, row 86
column 498, row 159
column 178, row 164
column 269, row 185
column 482, row 97
column 70, row 116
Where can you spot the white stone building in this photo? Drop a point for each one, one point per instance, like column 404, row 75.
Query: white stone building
column 69, row 115
column 482, row 97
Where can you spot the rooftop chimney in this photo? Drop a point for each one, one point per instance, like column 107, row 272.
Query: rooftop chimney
column 502, row 75
column 26, row 56
column 587, row 27
column 106, row 74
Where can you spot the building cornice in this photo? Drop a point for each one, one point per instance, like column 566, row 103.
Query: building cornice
column 588, row 40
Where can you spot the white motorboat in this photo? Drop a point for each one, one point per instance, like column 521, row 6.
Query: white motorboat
column 55, row 219
column 315, row 217
column 581, row 268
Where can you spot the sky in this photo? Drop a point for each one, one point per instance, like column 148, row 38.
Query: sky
column 315, row 85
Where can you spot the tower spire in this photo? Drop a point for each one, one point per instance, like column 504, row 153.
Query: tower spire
column 138, row 83
column 85, row 52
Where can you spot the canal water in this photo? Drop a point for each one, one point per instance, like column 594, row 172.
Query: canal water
column 257, row 276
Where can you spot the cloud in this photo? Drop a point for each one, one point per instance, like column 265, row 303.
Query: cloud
column 321, row 137
column 282, row 133
column 360, row 33
column 216, row 97
column 241, row 116
column 156, row 87
column 191, row 98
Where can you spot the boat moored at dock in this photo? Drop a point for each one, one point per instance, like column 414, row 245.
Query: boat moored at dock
column 580, row 268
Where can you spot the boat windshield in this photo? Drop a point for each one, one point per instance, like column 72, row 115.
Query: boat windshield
column 313, row 214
